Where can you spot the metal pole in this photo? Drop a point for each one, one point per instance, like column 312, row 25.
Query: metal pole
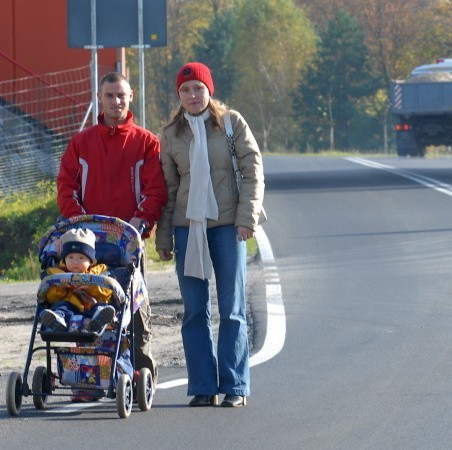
column 85, row 118
column 94, row 74
column 141, row 63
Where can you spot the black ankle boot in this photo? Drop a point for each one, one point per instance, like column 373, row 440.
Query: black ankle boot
column 204, row 400
column 234, row 400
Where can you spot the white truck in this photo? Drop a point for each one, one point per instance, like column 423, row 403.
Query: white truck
column 422, row 105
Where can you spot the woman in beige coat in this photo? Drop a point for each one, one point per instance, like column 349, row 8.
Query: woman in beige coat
column 209, row 221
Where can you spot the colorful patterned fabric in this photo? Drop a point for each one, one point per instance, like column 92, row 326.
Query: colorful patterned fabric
column 84, row 370
column 86, row 365
column 108, row 230
column 118, row 245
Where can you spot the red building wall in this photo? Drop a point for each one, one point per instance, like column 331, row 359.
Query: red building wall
column 33, row 36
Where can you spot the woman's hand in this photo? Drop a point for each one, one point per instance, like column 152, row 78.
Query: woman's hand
column 244, row 233
column 165, row 255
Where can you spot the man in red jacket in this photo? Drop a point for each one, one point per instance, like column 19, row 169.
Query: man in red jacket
column 113, row 168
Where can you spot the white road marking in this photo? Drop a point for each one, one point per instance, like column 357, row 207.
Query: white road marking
column 173, row 383
column 431, row 183
column 276, row 316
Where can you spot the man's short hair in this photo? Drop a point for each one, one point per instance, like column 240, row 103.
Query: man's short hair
column 112, row 77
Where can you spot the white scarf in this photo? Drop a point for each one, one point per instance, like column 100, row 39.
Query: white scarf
column 201, row 203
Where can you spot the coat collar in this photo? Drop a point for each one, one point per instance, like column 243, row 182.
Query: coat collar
column 123, row 127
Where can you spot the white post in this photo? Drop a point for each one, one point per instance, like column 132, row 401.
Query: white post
column 141, row 63
column 94, row 74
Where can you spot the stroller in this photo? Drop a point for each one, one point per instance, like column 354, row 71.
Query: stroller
column 90, row 361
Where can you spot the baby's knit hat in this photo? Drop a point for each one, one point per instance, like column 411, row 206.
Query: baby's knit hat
column 80, row 240
column 195, row 71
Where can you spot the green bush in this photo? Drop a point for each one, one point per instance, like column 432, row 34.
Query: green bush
column 24, row 218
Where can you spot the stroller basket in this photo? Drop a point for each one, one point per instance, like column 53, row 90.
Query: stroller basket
column 91, row 367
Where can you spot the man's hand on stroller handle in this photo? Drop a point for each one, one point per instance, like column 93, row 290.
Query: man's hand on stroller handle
column 140, row 224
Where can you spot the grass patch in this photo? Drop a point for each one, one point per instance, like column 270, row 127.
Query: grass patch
column 153, row 259
column 251, row 248
column 335, row 153
column 24, row 218
column 431, row 153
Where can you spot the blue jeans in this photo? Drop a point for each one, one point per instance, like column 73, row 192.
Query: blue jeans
column 227, row 370
column 67, row 310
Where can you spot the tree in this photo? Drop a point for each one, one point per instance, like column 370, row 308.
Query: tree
column 434, row 33
column 186, row 22
column 215, row 50
column 390, row 34
column 271, row 57
column 377, row 107
column 328, row 97
column 398, row 34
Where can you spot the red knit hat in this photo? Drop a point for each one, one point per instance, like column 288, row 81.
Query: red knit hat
column 195, row 71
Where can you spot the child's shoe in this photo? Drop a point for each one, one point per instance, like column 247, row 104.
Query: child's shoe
column 101, row 317
column 52, row 321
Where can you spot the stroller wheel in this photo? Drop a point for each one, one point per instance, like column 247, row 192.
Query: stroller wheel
column 14, row 393
column 145, row 392
column 124, row 396
column 39, row 387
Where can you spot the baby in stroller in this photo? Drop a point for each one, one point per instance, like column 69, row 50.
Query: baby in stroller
column 96, row 264
column 78, row 256
column 89, row 364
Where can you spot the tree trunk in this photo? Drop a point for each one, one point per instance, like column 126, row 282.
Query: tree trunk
column 330, row 113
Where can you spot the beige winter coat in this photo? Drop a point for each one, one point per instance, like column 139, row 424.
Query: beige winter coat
column 239, row 209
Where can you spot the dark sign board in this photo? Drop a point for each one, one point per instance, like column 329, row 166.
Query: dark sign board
column 116, row 23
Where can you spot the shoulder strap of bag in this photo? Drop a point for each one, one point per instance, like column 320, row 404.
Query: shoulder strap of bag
column 231, row 146
column 228, row 125
column 238, row 174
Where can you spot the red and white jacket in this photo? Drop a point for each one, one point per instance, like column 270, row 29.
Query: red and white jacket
column 113, row 171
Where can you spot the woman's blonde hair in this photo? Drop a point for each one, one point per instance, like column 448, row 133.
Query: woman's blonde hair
column 217, row 111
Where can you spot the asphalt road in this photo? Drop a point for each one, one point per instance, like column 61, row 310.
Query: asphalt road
column 362, row 259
